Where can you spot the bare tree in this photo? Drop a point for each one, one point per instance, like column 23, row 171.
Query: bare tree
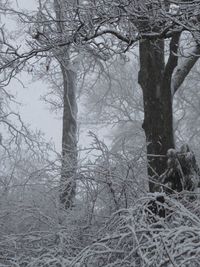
column 114, row 27
column 39, row 35
column 150, row 24
column 69, row 134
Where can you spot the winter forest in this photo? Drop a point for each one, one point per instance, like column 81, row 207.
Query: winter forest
column 121, row 186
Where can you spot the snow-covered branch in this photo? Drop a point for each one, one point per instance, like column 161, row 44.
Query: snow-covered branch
column 184, row 68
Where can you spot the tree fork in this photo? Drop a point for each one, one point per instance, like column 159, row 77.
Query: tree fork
column 157, row 99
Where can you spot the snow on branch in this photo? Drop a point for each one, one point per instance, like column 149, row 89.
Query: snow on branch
column 184, row 68
column 137, row 237
column 182, row 171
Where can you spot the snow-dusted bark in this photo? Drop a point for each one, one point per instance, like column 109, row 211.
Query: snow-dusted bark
column 184, row 68
column 69, row 138
column 69, row 133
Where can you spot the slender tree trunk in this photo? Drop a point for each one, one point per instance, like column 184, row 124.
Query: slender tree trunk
column 69, row 133
column 69, row 139
column 158, row 120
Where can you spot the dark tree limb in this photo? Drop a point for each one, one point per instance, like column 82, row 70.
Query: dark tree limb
column 173, row 58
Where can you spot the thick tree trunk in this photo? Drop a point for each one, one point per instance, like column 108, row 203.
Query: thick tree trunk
column 69, row 139
column 158, row 119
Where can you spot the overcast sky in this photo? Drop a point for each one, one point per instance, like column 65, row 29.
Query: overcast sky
column 33, row 110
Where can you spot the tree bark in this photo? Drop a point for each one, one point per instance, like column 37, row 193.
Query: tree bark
column 158, row 120
column 183, row 70
column 69, row 133
column 159, row 82
column 69, row 139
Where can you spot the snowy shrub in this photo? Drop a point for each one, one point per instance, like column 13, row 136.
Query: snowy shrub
column 54, row 247
column 138, row 236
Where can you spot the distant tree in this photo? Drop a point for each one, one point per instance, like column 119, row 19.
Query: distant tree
column 60, row 59
column 69, row 122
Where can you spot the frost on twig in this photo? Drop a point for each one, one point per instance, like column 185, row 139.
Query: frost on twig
column 131, row 239
column 182, row 171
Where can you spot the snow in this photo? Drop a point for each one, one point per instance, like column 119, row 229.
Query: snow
column 174, row 9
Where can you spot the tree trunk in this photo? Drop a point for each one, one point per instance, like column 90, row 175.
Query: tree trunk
column 69, row 134
column 158, row 120
column 69, row 139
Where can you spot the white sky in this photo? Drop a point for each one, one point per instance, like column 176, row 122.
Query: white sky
column 33, row 110
column 26, row 4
